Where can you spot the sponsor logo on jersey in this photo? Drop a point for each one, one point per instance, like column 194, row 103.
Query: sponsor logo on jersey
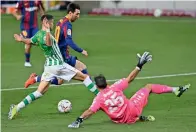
column 31, row 9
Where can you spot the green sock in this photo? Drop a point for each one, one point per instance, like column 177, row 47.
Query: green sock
column 28, row 99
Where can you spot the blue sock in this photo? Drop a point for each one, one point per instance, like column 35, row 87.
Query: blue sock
column 27, row 55
column 55, row 81
column 84, row 71
column 38, row 79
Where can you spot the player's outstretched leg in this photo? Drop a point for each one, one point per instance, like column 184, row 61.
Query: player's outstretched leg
column 36, row 78
column 158, row 89
column 14, row 109
column 81, row 66
column 87, row 82
column 33, row 78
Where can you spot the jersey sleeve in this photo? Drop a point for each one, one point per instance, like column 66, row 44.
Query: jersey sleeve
column 95, row 106
column 19, row 5
column 68, row 36
column 122, row 84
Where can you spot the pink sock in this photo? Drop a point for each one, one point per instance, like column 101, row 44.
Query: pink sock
column 158, row 89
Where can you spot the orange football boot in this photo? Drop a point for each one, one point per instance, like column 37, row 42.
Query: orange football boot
column 31, row 80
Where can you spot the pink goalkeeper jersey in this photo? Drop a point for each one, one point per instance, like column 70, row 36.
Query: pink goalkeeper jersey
column 113, row 102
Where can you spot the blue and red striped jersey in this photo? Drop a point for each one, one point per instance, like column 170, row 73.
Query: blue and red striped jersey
column 63, row 36
column 29, row 10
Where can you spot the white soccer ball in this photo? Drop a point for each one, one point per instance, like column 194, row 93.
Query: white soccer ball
column 64, row 106
column 157, row 12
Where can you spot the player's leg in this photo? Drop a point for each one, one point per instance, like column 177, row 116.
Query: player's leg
column 87, row 82
column 71, row 73
column 14, row 109
column 74, row 62
column 27, row 34
column 159, row 89
column 47, row 76
column 140, row 98
column 81, row 66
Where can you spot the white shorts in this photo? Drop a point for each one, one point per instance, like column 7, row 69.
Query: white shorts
column 65, row 72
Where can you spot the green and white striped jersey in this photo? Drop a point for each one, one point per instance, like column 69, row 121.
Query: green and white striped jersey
column 52, row 53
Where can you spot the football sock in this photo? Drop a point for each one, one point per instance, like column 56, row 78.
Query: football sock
column 27, row 56
column 90, row 85
column 28, row 99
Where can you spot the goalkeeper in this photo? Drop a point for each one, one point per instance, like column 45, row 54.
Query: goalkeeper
column 113, row 102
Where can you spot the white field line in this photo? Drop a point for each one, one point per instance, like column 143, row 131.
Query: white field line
column 138, row 78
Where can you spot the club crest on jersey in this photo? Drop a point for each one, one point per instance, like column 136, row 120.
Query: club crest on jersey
column 69, row 32
column 24, row 33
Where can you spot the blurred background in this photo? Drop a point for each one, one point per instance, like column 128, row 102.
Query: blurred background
column 118, row 7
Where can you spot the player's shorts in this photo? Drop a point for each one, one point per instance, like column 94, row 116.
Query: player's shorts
column 29, row 32
column 72, row 60
column 65, row 72
column 136, row 104
column 140, row 99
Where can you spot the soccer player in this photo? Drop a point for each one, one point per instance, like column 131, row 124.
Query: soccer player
column 29, row 25
column 54, row 64
column 63, row 35
column 114, row 103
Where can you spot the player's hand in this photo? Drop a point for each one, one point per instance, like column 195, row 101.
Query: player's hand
column 146, row 57
column 75, row 124
column 18, row 17
column 17, row 37
column 84, row 52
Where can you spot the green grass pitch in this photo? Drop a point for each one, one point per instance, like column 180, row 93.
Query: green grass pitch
column 112, row 44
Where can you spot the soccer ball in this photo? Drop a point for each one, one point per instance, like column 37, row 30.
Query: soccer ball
column 157, row 12
column 64, row 106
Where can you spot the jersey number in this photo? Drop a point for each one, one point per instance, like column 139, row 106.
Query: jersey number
column 114, row 102
column 57, row 33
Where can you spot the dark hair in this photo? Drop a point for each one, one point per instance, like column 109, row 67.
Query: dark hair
column 47, row 16
column 100, row 81
column 72, row 7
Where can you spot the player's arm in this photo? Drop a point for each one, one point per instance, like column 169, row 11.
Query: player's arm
column 79, row 120
column 142, row 60
column 19, row 38
column 71, row 43
column 92, row 110
column 16, row 13
column 41, row 8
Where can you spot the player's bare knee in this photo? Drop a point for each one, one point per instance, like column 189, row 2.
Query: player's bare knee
column 80, row 76
column 80, row 65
